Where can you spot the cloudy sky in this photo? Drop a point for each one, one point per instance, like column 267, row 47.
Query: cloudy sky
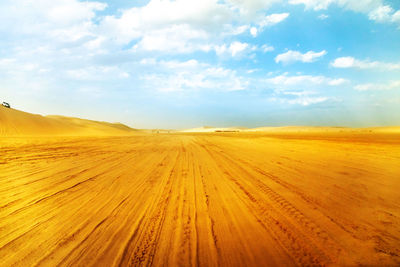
column 186, row 63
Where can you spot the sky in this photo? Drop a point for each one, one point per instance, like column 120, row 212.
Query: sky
column 184, row 63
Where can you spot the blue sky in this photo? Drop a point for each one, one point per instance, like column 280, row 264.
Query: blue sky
column 184, row 63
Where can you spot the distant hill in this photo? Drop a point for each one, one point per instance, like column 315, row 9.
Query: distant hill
column 17, row 123
column 210, row 129
column 297, row 130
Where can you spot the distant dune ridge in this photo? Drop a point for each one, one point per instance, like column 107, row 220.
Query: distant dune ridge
column 294, row 129
column 18, row 123
column 210, row 129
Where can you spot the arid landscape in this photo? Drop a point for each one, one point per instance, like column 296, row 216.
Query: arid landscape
column 200, row 133
column 268, row 197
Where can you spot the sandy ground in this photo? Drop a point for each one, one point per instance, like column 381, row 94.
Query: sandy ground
column 216, row 199
column 19, row 123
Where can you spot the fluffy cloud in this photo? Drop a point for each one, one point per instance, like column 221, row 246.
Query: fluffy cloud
column 184, row 26
column 248, row 8
column 253, row 31
column 351, row 62
column 385, row 14
column 396, row 17
column 63, row 18
column 303, row 98
column 323, row 16
column 293, row 56
column 355, row 5
column 337, row 82
column 393, row 85
column 304, row 80
column 97, row 73
column 237, row 47
column 268, row 21
column 375, row 9
column 267, row 48
column 175, row 76
column 273, row 19
column 307, row 100
column 175, row 39
column 313, row 4
column 381, row 14
column 163, row 26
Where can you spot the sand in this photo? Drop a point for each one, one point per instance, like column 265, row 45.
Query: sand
column 201, row 199
column 14, row 122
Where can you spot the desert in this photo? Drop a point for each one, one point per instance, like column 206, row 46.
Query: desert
column 326, row 196
column 227, row 133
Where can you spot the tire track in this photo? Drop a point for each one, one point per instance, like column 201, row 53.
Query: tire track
column 300, row 245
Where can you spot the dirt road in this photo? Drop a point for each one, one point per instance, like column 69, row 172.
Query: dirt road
column 199, row 200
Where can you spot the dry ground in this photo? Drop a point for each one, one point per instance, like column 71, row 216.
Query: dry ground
column 200, row 200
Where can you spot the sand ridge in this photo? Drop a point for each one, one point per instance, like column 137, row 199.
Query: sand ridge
column 16, row 123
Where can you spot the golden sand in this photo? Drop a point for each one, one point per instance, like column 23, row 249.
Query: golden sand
column 18, row 123
column 201, row 199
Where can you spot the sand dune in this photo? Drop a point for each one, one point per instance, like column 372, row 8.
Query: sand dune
column 14, row 122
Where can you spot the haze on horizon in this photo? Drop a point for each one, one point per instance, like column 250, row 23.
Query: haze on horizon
column 182, row 64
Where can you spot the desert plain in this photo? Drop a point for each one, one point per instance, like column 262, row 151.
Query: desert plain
column 82, row 193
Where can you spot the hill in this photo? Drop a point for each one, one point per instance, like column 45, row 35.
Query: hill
column 18, row 123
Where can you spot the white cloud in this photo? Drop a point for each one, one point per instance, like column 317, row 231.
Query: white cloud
column 183, row 26
column 312, row 4
column 384, row 14
column 293, row 56
column 304, row 98
column 393, row 85
column 159, row 13
column 381, row 14
column 174, row 76
column 237, row 47
column 239, row 30
column 307, row 100
column 375, row 9
column 220, row 49
column 323, row 16
column 71, row 29
column 355, row 5
column 97, row 73
column 248, row 8
column 396, row 17
column 304, row 80
column 5, row 62
column 273, row 19
column 336, row 82
column 343, row 62
column 296, row 80
column 268, row 21
column 69, row 11
column 174, row 39
column 267, row 48
column 351, row 62
column 47, row 18
column 253, row 31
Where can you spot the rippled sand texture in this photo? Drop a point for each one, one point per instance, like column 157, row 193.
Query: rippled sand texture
column 226, row 199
